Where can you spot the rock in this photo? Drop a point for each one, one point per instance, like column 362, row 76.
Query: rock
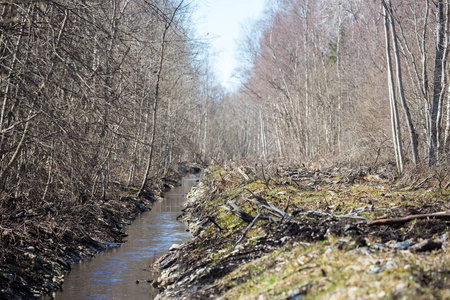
column 175, row 247
column 378, row 267
column 380, row 246
column 299, row 292
column 399, row 245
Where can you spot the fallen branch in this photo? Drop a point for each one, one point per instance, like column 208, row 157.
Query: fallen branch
column 321, row 214
column 235, row 210
column 447, row 185
column 251, row 225
column 212, row 220
column 273, row 210
column 423, row 181
column 445, row 215
column 426, row 245
column 243, row 174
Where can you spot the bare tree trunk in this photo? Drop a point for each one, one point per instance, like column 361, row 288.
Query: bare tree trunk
column 263, row 136
column 154, row 114
column 156, row 96
column 307, row 96
column 447, row 126
column 446, row 148
column 339, row 76
column 396, row 136
column 437, row 86
column 14, row 156
column 401, row 93
column 442, row 138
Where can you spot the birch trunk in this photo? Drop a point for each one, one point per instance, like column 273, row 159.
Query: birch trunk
column 396, row 136
column 437, row 88
column 401, row 93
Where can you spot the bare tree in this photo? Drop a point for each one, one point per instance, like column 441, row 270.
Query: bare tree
column 168, row 19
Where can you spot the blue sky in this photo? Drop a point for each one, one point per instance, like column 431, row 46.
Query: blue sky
column 220, row 22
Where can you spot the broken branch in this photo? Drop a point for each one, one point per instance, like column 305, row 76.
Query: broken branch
column 445, row 215
column 237, row 211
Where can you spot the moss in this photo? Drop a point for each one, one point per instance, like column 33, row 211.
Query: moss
column 338, row 267
column 328, row 273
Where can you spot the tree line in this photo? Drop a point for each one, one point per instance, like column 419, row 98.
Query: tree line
column 97, row 95
column 347, row 80
column 94, row 95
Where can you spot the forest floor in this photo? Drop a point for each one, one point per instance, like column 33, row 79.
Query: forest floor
column 37, row 244
column 297, row 233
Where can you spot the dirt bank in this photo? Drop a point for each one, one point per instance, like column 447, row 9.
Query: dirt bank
column 291, row 233
column 37, row 244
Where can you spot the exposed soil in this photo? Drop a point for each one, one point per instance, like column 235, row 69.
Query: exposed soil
column 326, row 215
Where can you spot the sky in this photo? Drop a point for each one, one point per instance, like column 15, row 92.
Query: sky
column 220, row 22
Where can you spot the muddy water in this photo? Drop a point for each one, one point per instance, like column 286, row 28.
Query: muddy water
column 113, row 274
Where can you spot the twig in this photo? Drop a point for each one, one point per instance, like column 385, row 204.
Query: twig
column 321, row 214
column 423, row 181
column 256, row 196
column 211, row 219
column 445, row 215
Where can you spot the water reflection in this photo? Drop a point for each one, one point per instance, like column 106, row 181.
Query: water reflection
column 112, row 274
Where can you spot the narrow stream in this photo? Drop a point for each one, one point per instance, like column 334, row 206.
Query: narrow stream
column 113, row 273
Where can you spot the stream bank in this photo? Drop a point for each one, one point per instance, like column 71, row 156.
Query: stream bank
column 293, row 232
column 124, row 272
column 37, row 246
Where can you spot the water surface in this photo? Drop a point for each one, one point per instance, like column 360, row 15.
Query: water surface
column 113, row 273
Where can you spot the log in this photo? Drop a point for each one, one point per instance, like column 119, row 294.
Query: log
column 444, row 215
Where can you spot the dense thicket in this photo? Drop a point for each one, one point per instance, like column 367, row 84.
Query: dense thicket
column 348, row 80
column 78, row 85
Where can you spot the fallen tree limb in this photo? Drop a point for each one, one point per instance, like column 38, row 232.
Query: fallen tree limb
column 237, row 211
column 426, row 245
column 259, row 216
column 322, row 214
column 273, row 210
column 445, row 215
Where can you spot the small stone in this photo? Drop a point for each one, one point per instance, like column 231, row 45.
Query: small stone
column 379, row 246
column 400, row 245
column 381, row 294
column 175, row 247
